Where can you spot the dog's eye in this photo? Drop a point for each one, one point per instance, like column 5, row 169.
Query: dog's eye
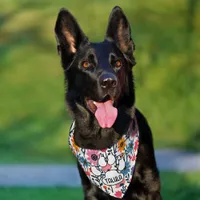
column 118, row 63
column 85, row 64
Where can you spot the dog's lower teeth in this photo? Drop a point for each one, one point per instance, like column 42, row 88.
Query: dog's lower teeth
column 94, row 102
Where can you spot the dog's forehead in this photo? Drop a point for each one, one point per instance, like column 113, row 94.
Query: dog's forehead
column 103, row 49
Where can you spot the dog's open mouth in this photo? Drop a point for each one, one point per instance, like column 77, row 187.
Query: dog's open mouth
column 104, row 111
column 92, row 105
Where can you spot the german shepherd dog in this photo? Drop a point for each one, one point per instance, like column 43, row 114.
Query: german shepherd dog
column 101, row 99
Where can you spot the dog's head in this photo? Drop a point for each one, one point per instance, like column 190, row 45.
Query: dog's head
column 98, row 75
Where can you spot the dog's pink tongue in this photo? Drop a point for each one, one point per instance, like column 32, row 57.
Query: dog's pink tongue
column 106, row 114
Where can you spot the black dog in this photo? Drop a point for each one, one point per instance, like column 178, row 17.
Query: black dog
column 100, row 96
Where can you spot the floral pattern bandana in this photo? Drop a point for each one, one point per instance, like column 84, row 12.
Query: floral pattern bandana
column 110, row 169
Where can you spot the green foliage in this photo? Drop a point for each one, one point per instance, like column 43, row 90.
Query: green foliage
column 33, row 121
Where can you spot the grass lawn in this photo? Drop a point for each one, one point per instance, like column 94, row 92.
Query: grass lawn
column 174, row 186
column 34, row 123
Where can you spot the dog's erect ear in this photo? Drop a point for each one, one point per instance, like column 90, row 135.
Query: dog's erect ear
column 68, row 34
column 120, row 32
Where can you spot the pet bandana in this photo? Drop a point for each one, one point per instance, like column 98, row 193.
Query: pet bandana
column 110, row 169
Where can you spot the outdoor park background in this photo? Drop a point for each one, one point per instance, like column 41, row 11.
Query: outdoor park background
column 34, row 123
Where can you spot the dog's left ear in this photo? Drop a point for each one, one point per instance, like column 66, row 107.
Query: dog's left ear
column 119, row 31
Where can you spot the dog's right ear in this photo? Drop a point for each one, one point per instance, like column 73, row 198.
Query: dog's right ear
column 119, row 31
column 69, row 36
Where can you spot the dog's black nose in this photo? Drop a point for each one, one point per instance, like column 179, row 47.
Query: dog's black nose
column 108, row 81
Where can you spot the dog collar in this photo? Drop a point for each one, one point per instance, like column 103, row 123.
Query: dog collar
column 110, row 169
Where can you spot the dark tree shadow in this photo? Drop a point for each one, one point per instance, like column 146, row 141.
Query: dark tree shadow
column 193, row 141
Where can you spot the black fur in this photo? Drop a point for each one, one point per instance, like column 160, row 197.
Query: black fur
column 85, row 83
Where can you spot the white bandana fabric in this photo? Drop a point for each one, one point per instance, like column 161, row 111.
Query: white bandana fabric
column 110, row 169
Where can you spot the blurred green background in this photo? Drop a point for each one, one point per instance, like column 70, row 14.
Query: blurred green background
column 34, row 123
column 174, row 187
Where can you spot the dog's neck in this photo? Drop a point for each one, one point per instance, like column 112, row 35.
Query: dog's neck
column 109, row 166
column 88, row 133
